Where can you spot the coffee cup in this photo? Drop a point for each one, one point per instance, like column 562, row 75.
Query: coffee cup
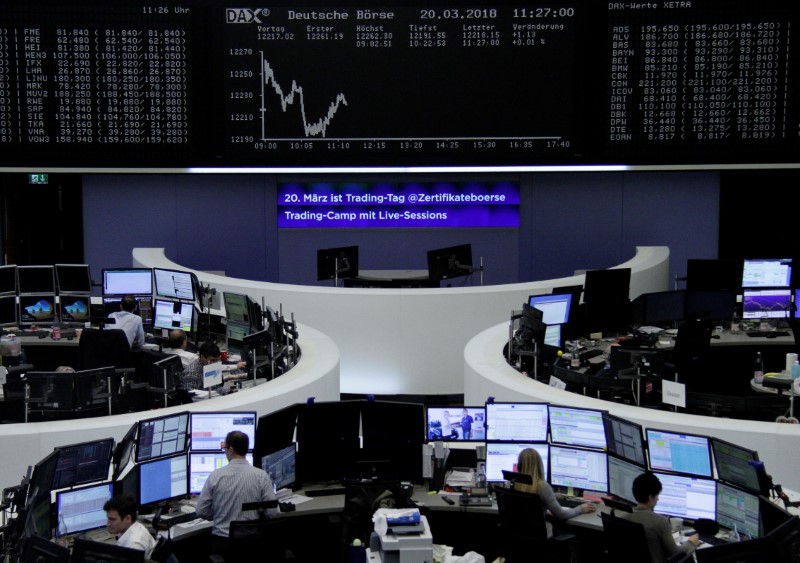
column 676, row 523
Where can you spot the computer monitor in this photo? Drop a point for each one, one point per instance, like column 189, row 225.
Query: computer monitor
column 167, row 373
column 660, row 308
column 505, row 456
column 51, row 391
column 163, row 479
column 520, row 422
column 276, row 430
column 715, row 305
column 767, row 272
column 681, row 453
column 624, row 439
column 687, row 497
column 555, row 307
column 766, row 303
column 38, row 518
column 257, row 350
column 8, row 310
column 745, row 551
column 236, row 308
column 37, row 310
column 234, row 335
column 606, row 296
column 74, row 308
column 88, row 551
column 169, row 315
column 450, row 262
column 8, row 279
column 123, row 451
column 127, row 281
column 328, row 439
column 337, row 263
column 281, row 466
column 174, row 284
column 42, row 479
column 735, row 464
column 36, row 279
column 554, row 336
column 83, row 463
column 393, row 433
column 201, row 464
column 81, row 510
column 738, row 510
column 447, row 423
column 586, row 470
column 36, row 549
column 255, row 315
column 710, row 274
column 773, row 515
column 209, row 429
column 144, row 307
column 577, row 427
column 73, row 278
column 620, row 478
column 162, row 436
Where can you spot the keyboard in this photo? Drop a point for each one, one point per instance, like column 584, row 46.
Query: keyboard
column 569, row 502
column 32, row 332
column 712, row 540
column 324, row 492
column 766, row 333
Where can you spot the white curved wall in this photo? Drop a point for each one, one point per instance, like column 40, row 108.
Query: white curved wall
column 407, row 341
column 315, row 375
column 486, row 374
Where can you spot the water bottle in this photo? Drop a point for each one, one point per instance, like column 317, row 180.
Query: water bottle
column 758, row 371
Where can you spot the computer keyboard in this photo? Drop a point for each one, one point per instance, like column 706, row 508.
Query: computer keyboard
column 570, row 502
column 712, row 540
column 766, row 333
column 324, row 492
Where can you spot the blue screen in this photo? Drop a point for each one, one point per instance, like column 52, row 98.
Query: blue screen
column 683, row 453
column 163, row 479
column 555, row 307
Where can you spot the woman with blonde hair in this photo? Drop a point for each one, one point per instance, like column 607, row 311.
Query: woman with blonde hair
column 530, row 463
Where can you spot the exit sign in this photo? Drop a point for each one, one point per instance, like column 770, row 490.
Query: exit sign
column 38, row 178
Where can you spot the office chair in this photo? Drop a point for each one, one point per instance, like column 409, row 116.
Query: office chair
column 266, row 538
column 625, row 541
column 523, row 529
column 14, row 393
column 689, row 357
column 163, row 551
column 99, row 348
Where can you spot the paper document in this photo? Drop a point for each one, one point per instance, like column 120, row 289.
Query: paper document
column 460, row 478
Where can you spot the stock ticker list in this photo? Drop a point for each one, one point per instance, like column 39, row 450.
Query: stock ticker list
column 99, row 79
column 684, row 73
column 442, row 83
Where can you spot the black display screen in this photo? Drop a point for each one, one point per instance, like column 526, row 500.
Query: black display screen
column 212, row 83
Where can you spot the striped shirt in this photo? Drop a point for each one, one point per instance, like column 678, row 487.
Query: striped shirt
column 225, row 491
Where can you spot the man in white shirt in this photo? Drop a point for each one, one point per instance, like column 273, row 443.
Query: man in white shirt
column 178, row 342
column 127, row 320
column 121, row 513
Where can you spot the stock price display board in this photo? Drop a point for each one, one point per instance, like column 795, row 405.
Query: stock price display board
column 200, row 83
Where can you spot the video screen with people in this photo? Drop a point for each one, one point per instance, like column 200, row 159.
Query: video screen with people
column 463, row 424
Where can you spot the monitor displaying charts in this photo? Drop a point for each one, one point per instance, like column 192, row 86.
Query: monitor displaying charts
column 681, row 453
column 580, row 469
column 767, row 272
column 738, row 510
column 624, row 439
column 620, row 478
column 209, row 429
column 201, row 464
column 505, row 455
column 80, row 510
column 577, row 427
column 687, row 497
column 522, row 422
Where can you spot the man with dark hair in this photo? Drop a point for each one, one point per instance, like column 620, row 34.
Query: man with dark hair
column 228, row 487
column 121, row 512
column 127, row 320
column 657, row 529
column 193, row 373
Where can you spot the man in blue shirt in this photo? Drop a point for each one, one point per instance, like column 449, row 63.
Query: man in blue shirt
column 466, row 425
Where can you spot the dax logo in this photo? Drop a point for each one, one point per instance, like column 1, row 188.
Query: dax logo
column 245, row 15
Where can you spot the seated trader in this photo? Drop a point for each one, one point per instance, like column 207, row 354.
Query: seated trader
column 127, row 320
column 121, row 512
column 228, row 487
column 657, row 529
column 177, row 344
column 193, row 373
column 530, row 463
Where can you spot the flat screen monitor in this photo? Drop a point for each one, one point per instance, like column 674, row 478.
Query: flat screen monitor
column 281, row 466
column 88, row 551
column 681, row 453
column 163, row 479
column 577, row 427
column 202, row 464
column 8, row 310
column 554, row 307
column 450, row 262
column 73, row 278
column 42, row 479
column 451, row 423
column 620, row 478
column 738, row 510
column 167, row 373
column 521, row 422
column 162, row 436
column 236, row 308
column 209, row 429
column 174, row 284
column 37, row 549
column 83, row 463
column 554, row 336
column 660, row 308
column 624, row 439
column 36, row 279
column 257, row 350
column 687, row 497
column 773, row 516
column 735, row 464
column 255, row 314
column 74, row 308
column 144, row 307
column 51, row 390
column 169, row 315
column 586, row 470
column 505, row 456
column 328, row 440
column 234, row 335
column 127, row 281
column 123, row 450
column 710, row 274
column 38, row 518
column 276, row 431
column 715, row 305
column 81, row 510
column 766, row 303
column 767, row 272
column 606, row 296
column 8, row 279
column 337, row 263
column 37, row 310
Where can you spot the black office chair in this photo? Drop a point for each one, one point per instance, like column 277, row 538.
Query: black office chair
column 523, row 529
column 265, row 537
column 626, row 541
column 163, row 551
column 689, row 359
column 99, row 348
